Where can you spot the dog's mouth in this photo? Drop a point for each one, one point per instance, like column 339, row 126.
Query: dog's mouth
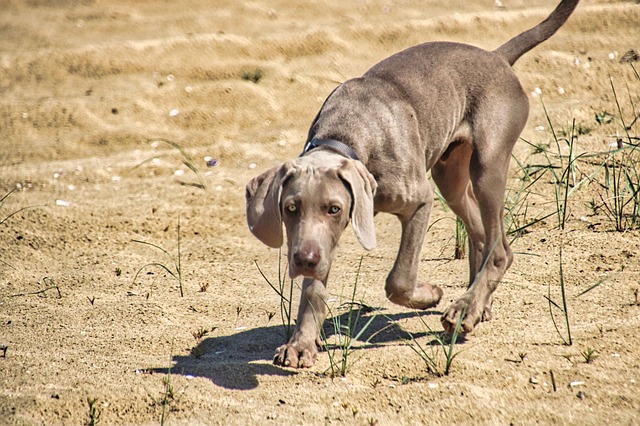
column 314, row 272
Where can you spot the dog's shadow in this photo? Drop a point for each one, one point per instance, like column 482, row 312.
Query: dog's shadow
column 230, row 361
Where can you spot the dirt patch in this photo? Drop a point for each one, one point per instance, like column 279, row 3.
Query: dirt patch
column 90, row 91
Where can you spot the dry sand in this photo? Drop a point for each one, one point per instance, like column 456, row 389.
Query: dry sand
column 89, row 91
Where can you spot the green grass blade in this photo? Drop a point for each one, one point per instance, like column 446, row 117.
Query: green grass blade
column 596, row 285
column 155, row 246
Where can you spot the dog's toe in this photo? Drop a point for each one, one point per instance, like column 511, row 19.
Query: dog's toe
column 486, row 314
column 295, row 356
column 451, row 317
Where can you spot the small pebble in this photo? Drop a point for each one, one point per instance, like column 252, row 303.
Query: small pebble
column 211, row 162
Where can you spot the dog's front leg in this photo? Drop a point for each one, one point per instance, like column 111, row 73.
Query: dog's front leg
column 402, row 286
column 302, row 349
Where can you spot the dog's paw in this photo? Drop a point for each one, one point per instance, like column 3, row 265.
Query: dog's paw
column 296, row 355
column 422, row 296
column 472, row 316
column 426, row 296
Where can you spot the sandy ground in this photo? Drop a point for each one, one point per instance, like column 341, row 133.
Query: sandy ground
column 92, row 90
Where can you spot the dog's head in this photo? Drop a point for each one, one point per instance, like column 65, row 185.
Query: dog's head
column 315, row 196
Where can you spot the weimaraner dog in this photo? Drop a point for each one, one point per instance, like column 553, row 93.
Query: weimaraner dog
column 451, row 108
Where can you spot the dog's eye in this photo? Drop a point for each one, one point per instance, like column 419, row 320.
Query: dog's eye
column 291, row 208
column 334, row 210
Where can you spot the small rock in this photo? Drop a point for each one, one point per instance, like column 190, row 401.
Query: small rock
column 210, row 161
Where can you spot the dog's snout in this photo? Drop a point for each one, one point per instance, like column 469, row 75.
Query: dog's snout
column 307, row 259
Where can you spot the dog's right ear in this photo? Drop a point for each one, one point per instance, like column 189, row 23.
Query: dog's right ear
column 263, row 204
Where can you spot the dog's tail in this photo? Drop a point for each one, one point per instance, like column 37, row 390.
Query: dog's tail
column 521, row 44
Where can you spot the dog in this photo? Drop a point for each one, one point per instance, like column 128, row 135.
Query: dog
column 453, row 109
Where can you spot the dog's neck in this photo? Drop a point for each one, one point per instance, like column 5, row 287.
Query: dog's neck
column 332, row 144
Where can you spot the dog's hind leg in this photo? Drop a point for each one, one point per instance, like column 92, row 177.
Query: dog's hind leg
column 481, row 206
column 451, row 175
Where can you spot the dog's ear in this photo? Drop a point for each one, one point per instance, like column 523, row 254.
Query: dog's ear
column 263, row 205
column 363, row 188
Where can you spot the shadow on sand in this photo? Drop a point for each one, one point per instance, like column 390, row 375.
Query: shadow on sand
column 230, row 361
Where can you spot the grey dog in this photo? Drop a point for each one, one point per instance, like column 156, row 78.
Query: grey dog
column 454, row 109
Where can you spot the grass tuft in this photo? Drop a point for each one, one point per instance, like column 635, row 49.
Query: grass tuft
column 285, row 295
column 346, row 332
column 94, row 412
column 187, row 160
column 253, row 76
column 175, row 271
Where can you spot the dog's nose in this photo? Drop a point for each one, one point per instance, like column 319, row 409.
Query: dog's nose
column 307, row 259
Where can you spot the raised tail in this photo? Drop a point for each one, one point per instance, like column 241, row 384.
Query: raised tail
column 521, row 44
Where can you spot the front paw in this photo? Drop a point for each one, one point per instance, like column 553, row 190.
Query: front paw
column 471, row 316
column 296, row 354
column 422, row 296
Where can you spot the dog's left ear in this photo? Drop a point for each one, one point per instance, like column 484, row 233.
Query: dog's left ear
column 263, row 204
column 363, row 187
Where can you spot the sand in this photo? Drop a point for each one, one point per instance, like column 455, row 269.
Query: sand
column 94, row 96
